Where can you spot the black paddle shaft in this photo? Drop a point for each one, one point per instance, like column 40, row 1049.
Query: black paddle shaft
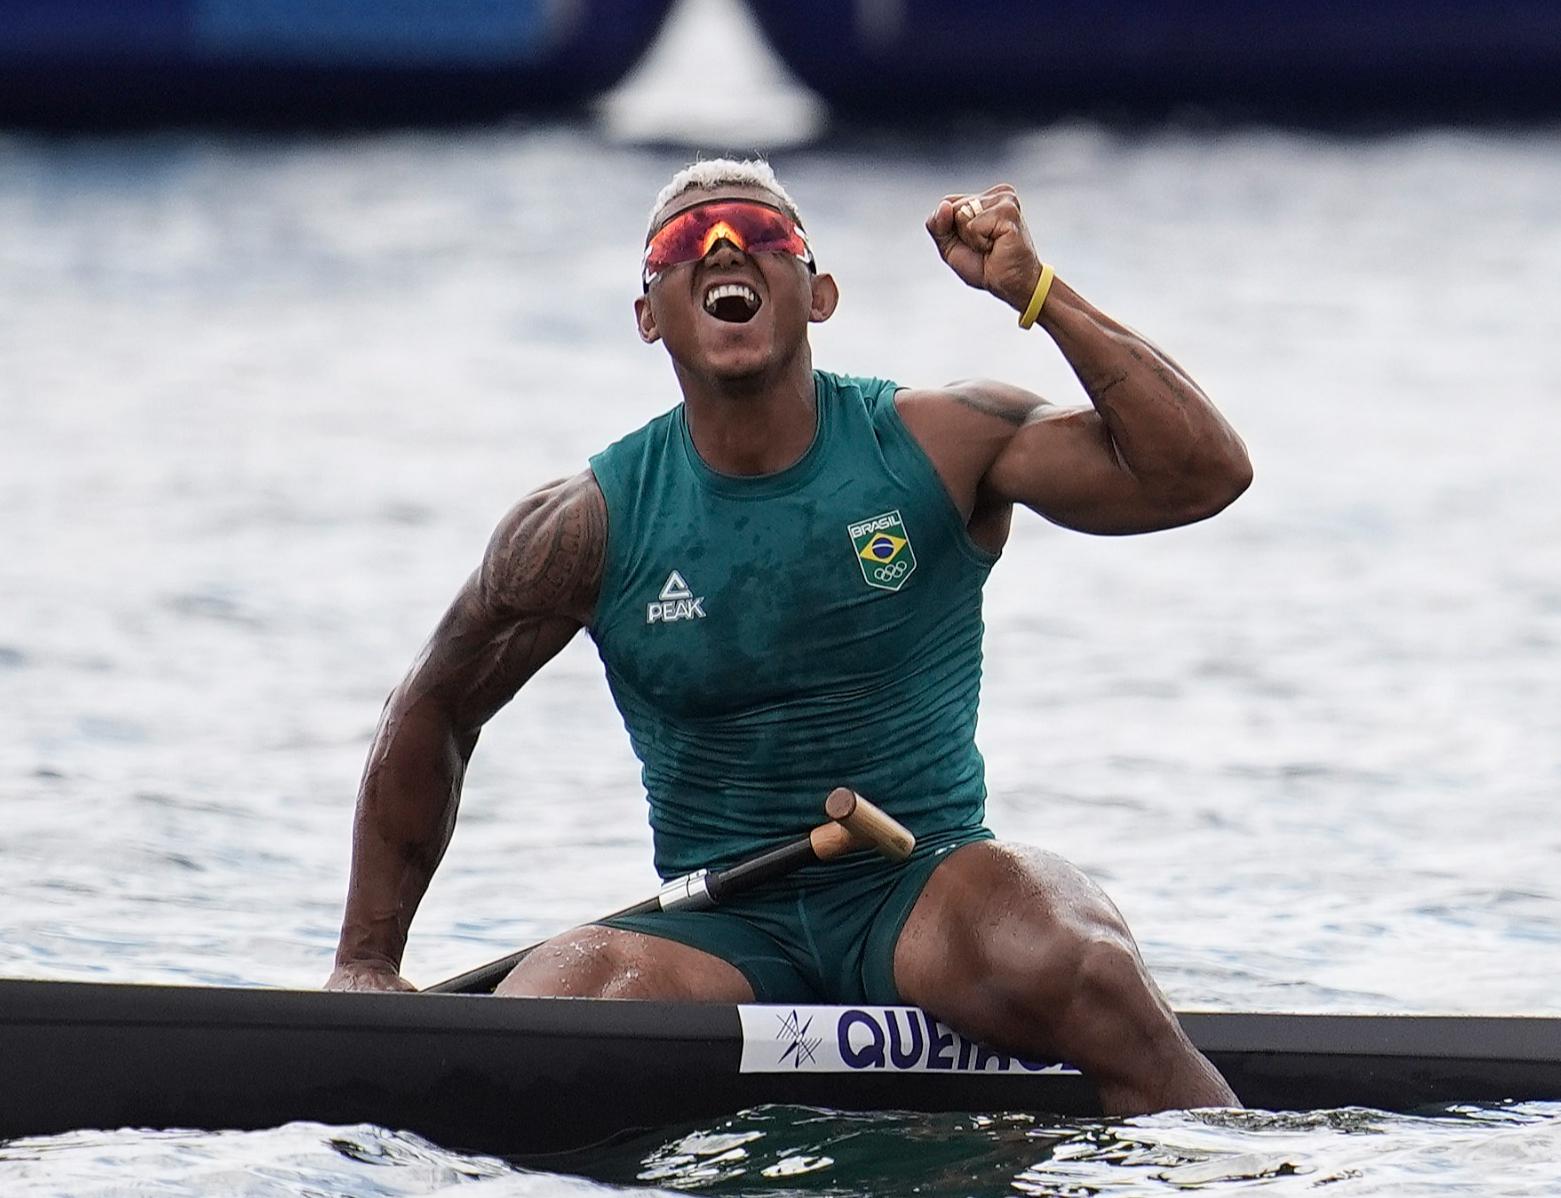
column 756, row 871
column 694, row 892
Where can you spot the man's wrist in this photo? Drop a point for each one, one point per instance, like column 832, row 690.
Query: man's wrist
column 359, row 948
column 1037, row 299
column 366, row 964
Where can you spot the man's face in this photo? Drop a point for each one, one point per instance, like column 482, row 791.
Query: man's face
column 725, row 338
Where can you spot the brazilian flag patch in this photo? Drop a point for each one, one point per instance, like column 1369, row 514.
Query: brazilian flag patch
column 883, row 550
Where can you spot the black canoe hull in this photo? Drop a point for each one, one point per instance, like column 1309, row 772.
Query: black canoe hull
column 525, row 1077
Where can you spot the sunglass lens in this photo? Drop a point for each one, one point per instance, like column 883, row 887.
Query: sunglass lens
column 752, row 227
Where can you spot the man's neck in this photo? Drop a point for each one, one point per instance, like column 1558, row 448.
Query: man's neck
column 752, row 428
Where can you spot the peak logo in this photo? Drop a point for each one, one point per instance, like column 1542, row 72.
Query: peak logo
column 676, row 602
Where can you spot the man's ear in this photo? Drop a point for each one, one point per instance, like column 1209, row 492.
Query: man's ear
column 646, row 320
column 826, row 297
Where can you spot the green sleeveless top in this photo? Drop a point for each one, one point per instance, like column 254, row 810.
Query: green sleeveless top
column 769, row 638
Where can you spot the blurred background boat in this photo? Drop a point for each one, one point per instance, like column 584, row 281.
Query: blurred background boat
column 284, row 63
column 1034, row 59
column 314, row 63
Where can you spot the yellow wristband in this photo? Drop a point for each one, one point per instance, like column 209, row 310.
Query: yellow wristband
column 1042, row 289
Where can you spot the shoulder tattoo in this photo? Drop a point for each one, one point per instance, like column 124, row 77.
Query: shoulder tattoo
column 1007, row 404
column 546, row 556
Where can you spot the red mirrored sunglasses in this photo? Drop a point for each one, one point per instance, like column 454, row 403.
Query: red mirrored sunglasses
column 752, row 227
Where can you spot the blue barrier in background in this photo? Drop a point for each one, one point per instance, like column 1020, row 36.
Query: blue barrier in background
column 86, row 63
column 1032, row 59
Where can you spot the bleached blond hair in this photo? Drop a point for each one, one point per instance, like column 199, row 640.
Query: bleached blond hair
column 725, row 172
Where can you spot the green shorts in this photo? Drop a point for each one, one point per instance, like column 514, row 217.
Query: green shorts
column 802, row 939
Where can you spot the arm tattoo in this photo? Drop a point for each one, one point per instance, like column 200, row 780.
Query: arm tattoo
column 1157, row 366
column 1097, row 390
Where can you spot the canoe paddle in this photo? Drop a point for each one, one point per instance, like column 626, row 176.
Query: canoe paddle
column 854, row 823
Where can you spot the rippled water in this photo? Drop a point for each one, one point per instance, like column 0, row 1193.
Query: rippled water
column 790, row 1150
column 301, row 1160
column 261, row 401
column 776, row 1152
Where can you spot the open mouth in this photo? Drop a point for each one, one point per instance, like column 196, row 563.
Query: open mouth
column 734, row 303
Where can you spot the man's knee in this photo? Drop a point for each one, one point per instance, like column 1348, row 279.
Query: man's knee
column 582, row 963
column 1110, row 995
column 1011, row 922
column 1066, row 972
column 603, row 962
column 1107, row 970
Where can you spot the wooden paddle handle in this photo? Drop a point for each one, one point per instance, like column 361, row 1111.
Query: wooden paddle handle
column 859, row 824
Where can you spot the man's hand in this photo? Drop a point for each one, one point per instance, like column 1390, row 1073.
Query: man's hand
column 984, row 240
column 367, row 975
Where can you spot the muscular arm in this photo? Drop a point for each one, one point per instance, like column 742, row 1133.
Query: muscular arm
column 535, row 588
column 1150, row 452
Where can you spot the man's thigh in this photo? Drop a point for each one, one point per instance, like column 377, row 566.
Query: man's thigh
column 602, row 962
column 1001, row 932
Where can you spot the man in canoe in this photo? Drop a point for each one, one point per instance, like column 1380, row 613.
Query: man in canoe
column 783, row 577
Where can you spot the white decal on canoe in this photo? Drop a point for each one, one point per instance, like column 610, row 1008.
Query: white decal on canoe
column 815, row 1039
